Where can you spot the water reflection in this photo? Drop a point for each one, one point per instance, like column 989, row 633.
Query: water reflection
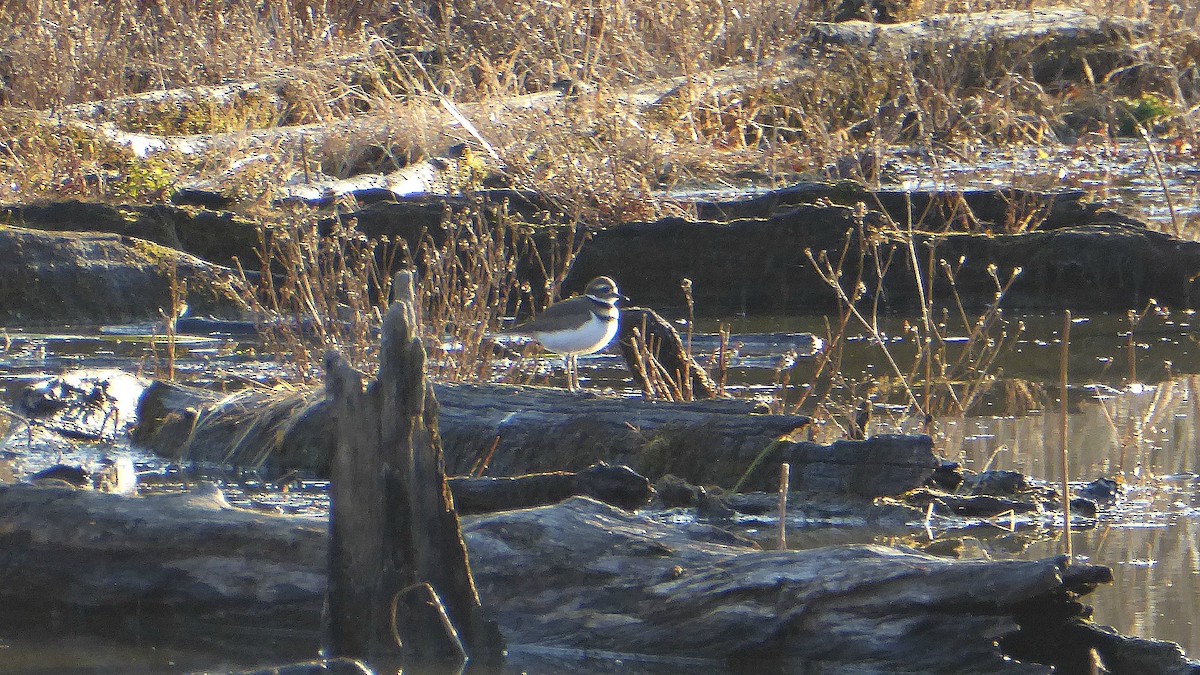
column 1148, row 434
column 1140, row 433
column 1155, row 563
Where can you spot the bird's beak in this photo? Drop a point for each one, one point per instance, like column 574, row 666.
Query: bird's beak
column 623, row 298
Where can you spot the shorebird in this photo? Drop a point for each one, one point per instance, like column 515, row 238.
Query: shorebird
column 580, row 325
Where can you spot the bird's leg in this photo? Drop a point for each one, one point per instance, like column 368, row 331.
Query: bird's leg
column 574, row 372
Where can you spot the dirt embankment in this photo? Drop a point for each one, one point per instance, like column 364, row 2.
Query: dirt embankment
column 1090, row 259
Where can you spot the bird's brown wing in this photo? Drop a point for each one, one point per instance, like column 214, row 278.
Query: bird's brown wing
column 559, row 316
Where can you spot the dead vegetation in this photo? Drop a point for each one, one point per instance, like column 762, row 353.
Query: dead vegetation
column 598, row 155
column 800, row 107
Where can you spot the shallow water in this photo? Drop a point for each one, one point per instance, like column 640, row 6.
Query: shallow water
column 1145, row 431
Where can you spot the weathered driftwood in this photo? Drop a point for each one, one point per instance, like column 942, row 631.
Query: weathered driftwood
column 551, row 575
column 517, row 430
column 521, row 430
column 398, row 567
column 1054, row 31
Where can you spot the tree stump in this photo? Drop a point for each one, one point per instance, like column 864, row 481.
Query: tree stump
column 396, row 551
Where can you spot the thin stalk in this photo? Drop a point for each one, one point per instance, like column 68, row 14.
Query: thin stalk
column 830, row 279
column 1162, row 181
column 1066, row 488
column 784, row 483
column 686, row 384
column 1131, row 348
column 722, row 358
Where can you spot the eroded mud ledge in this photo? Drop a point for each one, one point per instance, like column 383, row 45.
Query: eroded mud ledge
column 1087, row 258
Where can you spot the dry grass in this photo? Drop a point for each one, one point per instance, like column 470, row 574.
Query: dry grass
column 495, row 48
column 322, row 284
column 951, row 360
column 59, row 52
column 599, row 160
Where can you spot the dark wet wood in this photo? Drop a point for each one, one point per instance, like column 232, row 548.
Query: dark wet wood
column 1083, row 258
column 689, row 591
column 339, row 666
column 979, row 210
column 616, row 485
column 394, row 534
column 886, row 464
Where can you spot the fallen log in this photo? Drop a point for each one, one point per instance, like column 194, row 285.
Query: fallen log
column 512, row 430
column 994, row 210
column 1084, row 258
column 191, row 563
column 758, row 265
column 898, row 464
column 521, row 430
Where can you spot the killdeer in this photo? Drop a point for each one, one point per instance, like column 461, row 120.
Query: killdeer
column 580, row 325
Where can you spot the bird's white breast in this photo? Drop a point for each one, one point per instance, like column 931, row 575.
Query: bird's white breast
column 590, row 337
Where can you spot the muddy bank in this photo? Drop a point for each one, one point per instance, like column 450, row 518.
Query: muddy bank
column 1085, row 258
column 80, row 277
column 687, row 591
column 760, row 265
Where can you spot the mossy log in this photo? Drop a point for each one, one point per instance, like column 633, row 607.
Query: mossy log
column 215, row 236
column 193, row 565
column 509, row 431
